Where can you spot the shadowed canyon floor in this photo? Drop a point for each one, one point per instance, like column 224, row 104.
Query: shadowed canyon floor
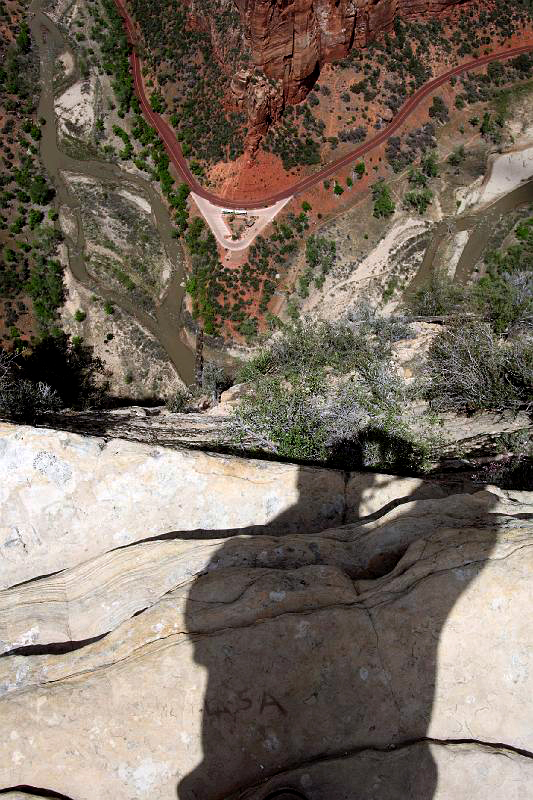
column 218, row 627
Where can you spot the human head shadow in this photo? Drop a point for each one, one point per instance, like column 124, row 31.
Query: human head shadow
column 314, row 683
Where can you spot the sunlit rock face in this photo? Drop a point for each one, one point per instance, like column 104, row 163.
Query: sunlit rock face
column 290, row 41
column 222, row 628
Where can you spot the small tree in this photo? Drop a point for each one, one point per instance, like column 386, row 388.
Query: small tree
column 383, row 203
column 430, row 165
column 457, row 156
column 214, row 380
column 419, row 200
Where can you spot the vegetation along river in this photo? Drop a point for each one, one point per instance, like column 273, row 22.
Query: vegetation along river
column 164, row 324
column 481, row 223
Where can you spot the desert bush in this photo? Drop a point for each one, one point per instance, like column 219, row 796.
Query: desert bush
column 214, row 380
column 311, row 348
column 429, row 165
column 179, row 402
column 457, row 156
column 470, row 369
column 419, row 200
column 383, row 203
column 503, row 296
column 505, row 299
column 439, row 110
column 22, row 400
column 63, row 373
column 284, row 417
column 330, row 392
column 439, row 297
column 370, row 425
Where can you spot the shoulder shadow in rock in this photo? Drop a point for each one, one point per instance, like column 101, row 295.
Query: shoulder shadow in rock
column 321, row 670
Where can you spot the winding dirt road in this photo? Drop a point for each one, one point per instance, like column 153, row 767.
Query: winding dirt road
column 176, row 156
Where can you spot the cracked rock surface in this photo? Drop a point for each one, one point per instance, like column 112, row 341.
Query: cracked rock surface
column 371, row 639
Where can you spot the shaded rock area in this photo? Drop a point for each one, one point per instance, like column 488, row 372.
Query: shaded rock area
column 466, row 440
column 260, row 98
column 219, row 627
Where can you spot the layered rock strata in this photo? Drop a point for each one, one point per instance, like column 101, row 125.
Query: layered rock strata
column 55, row 483
column 291, row 41
column 387, row 657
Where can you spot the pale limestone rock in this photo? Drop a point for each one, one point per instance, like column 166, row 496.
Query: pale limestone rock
column 19, row 796
column 367, row 492
column 386, row 658
column 57, row 484
column 420, row 771
column 96, row 596
column 66, row 498
column 231, row 399
column 250, row 670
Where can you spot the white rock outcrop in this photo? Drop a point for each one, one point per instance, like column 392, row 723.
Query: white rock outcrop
column 386, row 655
column 66, row 498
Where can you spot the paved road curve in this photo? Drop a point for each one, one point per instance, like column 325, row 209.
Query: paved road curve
column 174, row 150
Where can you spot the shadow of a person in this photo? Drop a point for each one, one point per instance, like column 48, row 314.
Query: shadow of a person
column 322, row 650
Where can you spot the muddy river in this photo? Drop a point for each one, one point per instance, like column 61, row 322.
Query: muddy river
column 165, row 323
column 480, row 224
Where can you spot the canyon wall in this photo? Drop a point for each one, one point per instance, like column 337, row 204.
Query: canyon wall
column 290, row 41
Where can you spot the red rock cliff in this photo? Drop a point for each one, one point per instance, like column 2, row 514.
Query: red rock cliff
column 291, row 39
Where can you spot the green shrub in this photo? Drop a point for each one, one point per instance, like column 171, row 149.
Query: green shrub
column 439, row 110
column 179, row 402
column 56, row 372
column 35, row 218
column 157, row 102
column 457, row 156
column 440, row 297
column 430, row 165
column 419, row 200
column 214, row 379
column 383, row 203
column 505, row 299
column 330, row 392
column 417, row 178
column 472, row 369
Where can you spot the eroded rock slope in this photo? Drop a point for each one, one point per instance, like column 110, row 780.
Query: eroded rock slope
column 219, row 628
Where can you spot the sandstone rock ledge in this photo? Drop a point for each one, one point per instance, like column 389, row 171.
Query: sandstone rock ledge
column 220, row 628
